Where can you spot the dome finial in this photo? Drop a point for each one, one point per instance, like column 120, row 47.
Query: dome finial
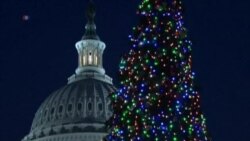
column 90, row 28
column 90, row 13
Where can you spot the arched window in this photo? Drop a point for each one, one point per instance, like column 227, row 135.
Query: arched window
column 45, row 113
column 90, row 58
column 60, row 109
column 79, row 106
column 89, row 106
column 52, row 111
column 100, row 107
column 84, row 60
column 96, row 59
column 70, row 107
column 80, row 61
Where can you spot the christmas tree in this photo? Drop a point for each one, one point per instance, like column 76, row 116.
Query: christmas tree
column 157, row 99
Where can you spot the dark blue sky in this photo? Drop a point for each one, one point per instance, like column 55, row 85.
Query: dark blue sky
column 37, row 56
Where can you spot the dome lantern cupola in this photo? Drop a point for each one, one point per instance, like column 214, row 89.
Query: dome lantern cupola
column 90, row 51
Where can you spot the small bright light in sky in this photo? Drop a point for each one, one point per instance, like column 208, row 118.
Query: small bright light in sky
column 25, row 17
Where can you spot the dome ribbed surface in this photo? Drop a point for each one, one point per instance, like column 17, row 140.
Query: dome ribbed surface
column 84, row 101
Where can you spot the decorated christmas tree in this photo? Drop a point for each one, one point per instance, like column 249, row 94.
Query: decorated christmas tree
column 157, row 99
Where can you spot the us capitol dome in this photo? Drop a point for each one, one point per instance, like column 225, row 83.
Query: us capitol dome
column 78, row 111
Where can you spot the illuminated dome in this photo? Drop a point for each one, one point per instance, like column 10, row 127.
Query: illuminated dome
column 84, row 101
column 78, row 111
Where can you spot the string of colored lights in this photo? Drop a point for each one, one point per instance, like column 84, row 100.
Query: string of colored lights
column 157, row 99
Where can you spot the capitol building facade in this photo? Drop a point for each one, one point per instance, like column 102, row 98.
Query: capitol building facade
column 78, row 111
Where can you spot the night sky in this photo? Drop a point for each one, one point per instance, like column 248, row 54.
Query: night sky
column 37, row 55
